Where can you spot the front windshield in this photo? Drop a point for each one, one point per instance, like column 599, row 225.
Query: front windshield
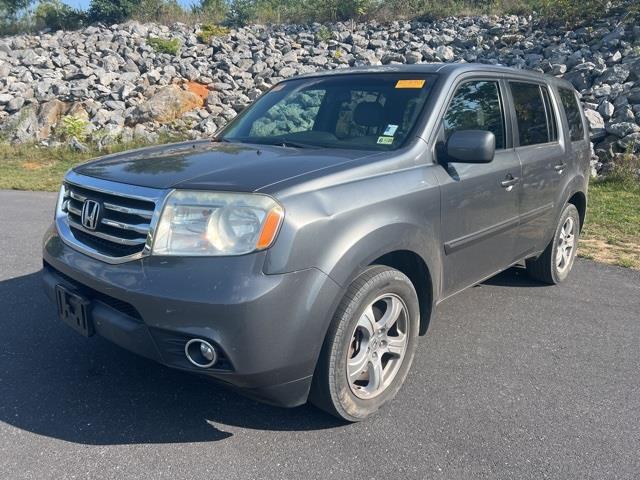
column 358, row 111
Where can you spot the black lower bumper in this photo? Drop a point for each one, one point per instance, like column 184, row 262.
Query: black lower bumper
column 268, row 329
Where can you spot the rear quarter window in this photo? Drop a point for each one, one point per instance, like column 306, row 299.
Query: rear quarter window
column 572, row 110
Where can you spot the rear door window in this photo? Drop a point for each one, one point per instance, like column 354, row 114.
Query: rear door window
column 572, row 110
column 476, row 105
column 535, row 114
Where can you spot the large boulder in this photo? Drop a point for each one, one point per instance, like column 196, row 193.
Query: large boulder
column 168, row 104
column 630, row 143
column 622, row 129
column 596, row 124
column 21, row 127
column 48, row 117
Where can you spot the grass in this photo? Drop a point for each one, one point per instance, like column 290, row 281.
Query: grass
column 29, row 167
column 611, row 233
column 612, row 230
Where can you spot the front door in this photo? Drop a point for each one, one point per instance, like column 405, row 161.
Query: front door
column 480, row 202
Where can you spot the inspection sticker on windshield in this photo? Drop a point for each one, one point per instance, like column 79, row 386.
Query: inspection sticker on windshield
column 385, row 140
column 410, row 83
column 390, row 130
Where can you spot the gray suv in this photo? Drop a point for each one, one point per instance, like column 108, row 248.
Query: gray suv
column 302, row 252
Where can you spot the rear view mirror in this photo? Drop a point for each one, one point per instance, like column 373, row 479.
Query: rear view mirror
column 471, row 146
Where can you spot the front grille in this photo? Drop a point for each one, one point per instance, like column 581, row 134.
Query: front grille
column 121, row 226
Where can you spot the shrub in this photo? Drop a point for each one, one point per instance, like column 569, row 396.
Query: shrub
column 208, row 31
column 161, row 45
column 73, row 126
column 570, row 11
column 111, row 11
column 324, row 34
column 626, row 169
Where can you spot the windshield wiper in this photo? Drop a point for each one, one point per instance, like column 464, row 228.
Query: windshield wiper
column 276, row 142
column 289, row 143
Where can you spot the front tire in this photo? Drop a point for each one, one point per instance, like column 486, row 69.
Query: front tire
column 555, row 263
column 369, row 346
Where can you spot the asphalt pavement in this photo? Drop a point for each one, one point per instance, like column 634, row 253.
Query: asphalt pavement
column 514, row 380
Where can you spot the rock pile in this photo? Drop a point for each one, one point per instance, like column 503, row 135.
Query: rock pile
column 118, row 87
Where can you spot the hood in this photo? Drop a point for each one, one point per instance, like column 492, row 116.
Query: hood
column 209, row 165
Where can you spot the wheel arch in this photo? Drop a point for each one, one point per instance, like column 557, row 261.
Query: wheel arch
column 579, row 200
column 405, row 247
column 416, row 269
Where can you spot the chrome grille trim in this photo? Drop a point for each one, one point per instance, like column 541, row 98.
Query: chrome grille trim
column 126, row 227
column 131, row 211
column 77, row 196
column 141, row 228
column 72, row 209
column 106, row 236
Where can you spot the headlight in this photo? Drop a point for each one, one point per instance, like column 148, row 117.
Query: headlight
column 216, row 223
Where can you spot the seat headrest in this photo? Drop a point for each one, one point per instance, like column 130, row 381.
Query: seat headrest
column 369, row 114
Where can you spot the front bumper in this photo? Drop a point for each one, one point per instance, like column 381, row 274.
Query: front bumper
column 268, row 328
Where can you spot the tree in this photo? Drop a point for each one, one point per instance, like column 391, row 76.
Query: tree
column 12, row 7
column 56, row 15
column 241, row 12
column 211, row 10
column 111, row 11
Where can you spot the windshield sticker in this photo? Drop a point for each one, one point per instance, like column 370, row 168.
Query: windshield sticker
column 390, row 130
column 410, row 83
column 385, row 140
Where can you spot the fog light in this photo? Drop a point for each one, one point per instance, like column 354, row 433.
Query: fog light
column 207, row 352
column 200, row 353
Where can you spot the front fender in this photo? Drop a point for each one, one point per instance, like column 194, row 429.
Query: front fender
column 350, row 258
column 343, row 228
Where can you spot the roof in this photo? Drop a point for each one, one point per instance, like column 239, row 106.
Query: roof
column 448, row 69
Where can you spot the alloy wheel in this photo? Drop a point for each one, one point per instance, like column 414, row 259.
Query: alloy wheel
column 566, row 245
column 378, row 346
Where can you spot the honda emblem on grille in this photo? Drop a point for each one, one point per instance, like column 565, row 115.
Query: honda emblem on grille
column 90, row 214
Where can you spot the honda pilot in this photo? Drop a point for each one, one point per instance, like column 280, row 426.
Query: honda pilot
column 301, row 253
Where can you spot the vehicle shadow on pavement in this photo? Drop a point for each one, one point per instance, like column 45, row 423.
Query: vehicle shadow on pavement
column 55, row 383
column 513, row 277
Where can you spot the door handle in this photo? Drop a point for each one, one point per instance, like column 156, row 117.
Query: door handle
column 560, row 167
column 509, row 182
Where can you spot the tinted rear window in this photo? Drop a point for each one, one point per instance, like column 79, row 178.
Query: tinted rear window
column 574, row 118
column 534, row 113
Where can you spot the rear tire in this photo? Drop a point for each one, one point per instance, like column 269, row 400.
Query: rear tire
column 369, row 346
column 555, row 263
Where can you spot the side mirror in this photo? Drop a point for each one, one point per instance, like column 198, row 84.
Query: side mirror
column 471, row 146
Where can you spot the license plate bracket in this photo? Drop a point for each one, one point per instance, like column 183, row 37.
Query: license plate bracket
column 73, row 309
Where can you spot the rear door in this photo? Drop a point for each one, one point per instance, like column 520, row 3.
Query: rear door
column 542, row 153
column 479, row 201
